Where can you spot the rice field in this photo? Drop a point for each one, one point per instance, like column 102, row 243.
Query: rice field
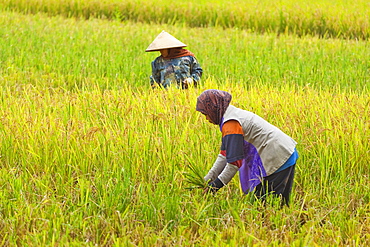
column 91, row 156
column 325, row 18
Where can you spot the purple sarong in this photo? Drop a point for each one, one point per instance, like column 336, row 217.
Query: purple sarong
column 252, row 171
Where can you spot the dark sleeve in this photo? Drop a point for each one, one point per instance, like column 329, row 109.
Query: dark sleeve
column 233, row 145
column 155, row 73
column 233, row 142
column 196, row 70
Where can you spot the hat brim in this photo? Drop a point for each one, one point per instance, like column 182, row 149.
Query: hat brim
column 164, row 41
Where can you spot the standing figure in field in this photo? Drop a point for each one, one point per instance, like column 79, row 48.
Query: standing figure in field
column 175, row 65
column 264, row 155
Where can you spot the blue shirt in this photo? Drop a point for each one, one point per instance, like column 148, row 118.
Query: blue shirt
column 291, row 161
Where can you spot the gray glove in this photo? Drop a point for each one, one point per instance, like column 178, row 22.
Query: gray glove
column 228, row 173
column 217, row 168
column 224, row 178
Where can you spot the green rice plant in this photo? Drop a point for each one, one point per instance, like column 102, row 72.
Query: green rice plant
column 326, row 19
column 81, row 171
column 89, row 155
column 85, row 53
column 194, row 177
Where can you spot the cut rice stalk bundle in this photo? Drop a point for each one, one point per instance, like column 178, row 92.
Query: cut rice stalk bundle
column 195, row 177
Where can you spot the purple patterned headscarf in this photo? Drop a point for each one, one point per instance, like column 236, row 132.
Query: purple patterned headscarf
column 213, row 103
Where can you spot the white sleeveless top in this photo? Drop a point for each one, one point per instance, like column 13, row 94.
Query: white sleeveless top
column 273, row 145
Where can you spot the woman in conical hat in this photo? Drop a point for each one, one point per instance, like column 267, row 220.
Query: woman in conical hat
column 175, row 66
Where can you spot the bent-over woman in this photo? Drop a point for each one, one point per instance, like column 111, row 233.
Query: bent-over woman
column 263, row 154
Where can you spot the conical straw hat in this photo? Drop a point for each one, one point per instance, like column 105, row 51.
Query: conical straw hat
column 164, row 41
